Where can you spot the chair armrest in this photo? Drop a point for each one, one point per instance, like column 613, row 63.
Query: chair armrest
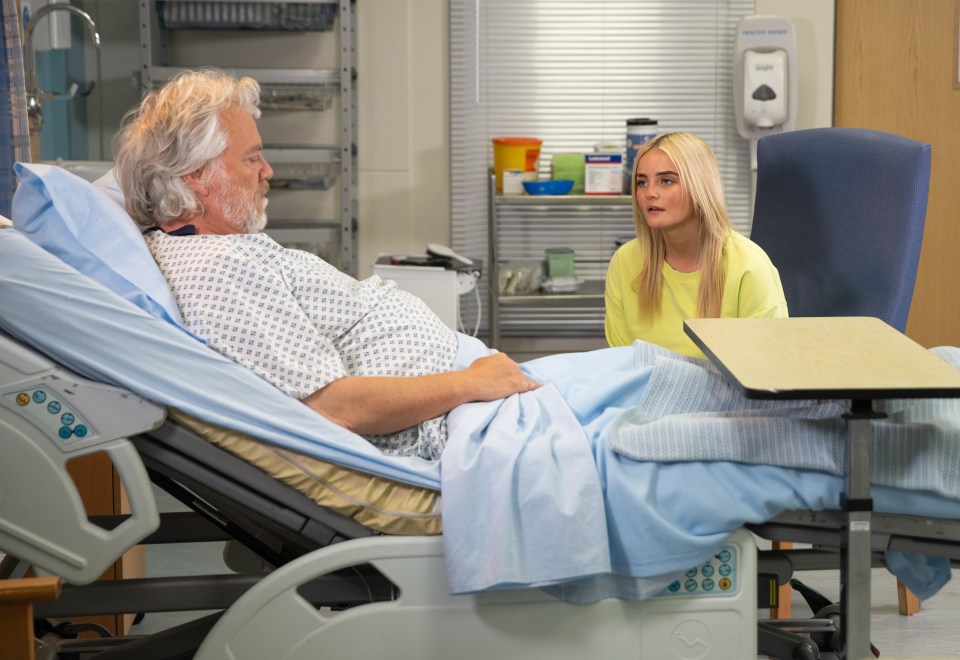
column 16, row 613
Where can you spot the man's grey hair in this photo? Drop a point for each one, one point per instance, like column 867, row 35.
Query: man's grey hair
column 174, row 131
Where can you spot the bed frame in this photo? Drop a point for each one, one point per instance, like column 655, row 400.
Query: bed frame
column 338, row 589
column 336, row 578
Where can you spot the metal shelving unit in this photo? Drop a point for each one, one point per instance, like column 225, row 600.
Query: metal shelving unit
column 285, row 91
column 521, row 228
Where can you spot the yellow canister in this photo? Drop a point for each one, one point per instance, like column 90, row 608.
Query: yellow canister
column 515, row 153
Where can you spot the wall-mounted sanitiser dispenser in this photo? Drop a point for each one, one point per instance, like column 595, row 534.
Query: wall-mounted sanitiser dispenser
column 766, row 84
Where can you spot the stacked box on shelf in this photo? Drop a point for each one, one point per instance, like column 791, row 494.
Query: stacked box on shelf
column 304, row 176
column 278, row 96
column 243, row 15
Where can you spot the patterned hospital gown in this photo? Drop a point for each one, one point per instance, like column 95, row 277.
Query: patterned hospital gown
column 300, row 323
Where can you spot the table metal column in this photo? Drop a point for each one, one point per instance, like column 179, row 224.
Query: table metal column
column 855, row 566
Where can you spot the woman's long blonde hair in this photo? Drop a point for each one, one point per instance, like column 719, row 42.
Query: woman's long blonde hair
column 700, row 184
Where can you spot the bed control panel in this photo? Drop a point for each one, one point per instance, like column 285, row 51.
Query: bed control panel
column 715, row 577
column 51, row 412
column 70, row 411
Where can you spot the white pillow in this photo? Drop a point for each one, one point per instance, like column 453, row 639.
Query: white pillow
column 108, row 184
column 86, row 227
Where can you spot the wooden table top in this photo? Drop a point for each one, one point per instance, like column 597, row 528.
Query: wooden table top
column 822, row 358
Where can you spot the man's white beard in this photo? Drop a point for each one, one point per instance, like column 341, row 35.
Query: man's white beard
column 247, row 216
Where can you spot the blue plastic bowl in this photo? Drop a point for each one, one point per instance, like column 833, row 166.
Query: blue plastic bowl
column 555, row 187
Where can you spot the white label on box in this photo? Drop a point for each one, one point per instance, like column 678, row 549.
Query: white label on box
column 513, row 182
column 603, row 174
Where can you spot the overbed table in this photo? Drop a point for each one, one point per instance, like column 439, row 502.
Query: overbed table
column 859, row 359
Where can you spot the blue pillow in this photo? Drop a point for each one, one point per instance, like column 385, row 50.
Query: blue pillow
column 83, row 226
column 108, row 184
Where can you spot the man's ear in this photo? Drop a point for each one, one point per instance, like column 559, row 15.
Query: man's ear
column 197, row 182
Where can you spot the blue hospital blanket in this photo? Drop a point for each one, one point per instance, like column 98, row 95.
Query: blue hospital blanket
column 535, row 493
column 712, row 422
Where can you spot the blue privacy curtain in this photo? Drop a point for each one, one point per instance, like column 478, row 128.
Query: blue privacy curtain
column 14, row 131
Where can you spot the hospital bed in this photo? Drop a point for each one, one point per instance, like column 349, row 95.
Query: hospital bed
column 401, row 580
column 407, row 611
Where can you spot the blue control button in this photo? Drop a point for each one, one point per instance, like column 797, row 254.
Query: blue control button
column 674, row 586
column 53, row 407
column 67, row 418
column 724, row 556
column 65, row 432
column 80, row 430
column 690, row 585
column 691, row 573
column 725, row 570
column 708, row 585
column 39, row 396
column 707, row 570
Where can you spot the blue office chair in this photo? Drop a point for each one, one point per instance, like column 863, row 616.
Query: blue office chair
column 840, row 212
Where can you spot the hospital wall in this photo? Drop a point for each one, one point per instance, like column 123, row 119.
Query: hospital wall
column 403, row 122
column 888, row 65
column 403, row 132
column 404, row 126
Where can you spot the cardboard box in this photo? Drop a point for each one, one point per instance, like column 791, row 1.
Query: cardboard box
column 560, row 262
column 603, row 174
column 569, row 166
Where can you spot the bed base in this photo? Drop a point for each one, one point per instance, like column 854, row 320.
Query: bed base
column 277, row 618
column 425, row 621
column 890, row 532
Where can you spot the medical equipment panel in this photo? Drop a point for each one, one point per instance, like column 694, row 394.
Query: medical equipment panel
column 52, row 399
column 435, row 285
column 717, row 576
column 43, row 406
column 437, row 280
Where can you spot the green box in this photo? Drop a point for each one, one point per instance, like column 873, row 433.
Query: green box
column 570, row 166
column 560, row 262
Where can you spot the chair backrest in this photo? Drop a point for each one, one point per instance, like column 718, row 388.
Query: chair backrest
column 840, row 212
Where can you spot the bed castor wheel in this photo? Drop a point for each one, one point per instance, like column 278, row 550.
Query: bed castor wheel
column 829, row 642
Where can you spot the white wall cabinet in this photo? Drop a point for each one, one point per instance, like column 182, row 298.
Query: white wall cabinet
column 303, row 54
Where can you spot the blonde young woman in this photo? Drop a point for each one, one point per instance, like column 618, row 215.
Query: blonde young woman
column 686, row 261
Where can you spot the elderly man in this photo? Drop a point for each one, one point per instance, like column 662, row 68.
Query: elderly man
column 364, row 354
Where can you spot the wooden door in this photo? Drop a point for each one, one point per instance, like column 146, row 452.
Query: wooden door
column 896, row 71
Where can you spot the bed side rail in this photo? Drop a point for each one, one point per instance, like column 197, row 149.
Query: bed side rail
column 49, row 416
